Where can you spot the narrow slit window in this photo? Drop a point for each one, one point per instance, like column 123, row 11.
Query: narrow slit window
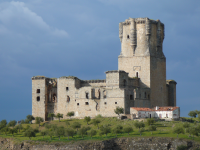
column 38, row 90
column 131, row 97
column 67, row 88
column 105, row 103
column 38, row 98
column 145, row 95
column 86, row 103
column 115, row 102
column 68, row 99
column 127, row 36
column 77, row 104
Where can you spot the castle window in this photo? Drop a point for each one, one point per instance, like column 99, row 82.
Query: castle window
column 124, row 83
column 145, row 95
column 139, row 95
column 77, row 104
column 67, row 88
column 86, row 103
column 38, row 98
column 131, row 97
column 115, row 102
column 54, row 97
column 148, row 96
column 38, row 90
column 137, row 74
column 87, row 95
column 104, row 94
column 105, row 103
column 127, row 36
column 68, row 99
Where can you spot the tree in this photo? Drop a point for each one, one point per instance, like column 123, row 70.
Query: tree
column 76, row 125
column 82, row 131
column 29, row 133
column 12, row 123
column 116, row 130
column 150, row 121
column 87, row 119
column 59, row 116
column 5, row 130
column 69, row 132
column 19, row 127
column 199, row 117
column 60, row 131
column 29, row 119
column 105, row 129
column 96, row 122
column 3, row 124
column 178, row 130
column 119, row 110
column 128, row 130
column 43, row 133
column 51, row 115
column 70, row 114
column 197, row 112
column 139, row 125
column 38, row 120
column 92, row 133
column 192, row 114
column 152, row 128
column 186, row 125
column 50, row 134
column 67, row 123
column 193, row 131
column 13, row 130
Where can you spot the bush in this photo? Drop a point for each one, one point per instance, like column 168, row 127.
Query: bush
column 182, row 147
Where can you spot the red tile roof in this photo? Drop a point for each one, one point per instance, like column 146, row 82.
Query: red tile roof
column 165, row 108
column 154, row 109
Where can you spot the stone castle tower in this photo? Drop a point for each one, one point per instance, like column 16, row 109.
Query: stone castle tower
column 140, row 80
column 142, row 56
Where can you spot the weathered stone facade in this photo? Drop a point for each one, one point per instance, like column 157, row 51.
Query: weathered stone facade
column 140, row 80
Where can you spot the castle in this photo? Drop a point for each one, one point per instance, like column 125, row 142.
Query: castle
column 140, row 80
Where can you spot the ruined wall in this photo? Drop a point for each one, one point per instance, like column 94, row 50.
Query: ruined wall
column 38, row 96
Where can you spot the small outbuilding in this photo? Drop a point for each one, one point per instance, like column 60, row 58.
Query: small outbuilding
column 156, row 112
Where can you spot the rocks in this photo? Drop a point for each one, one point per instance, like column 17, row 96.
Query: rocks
column 153, row 143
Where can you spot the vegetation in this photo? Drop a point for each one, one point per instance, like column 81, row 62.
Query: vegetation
column 58, row 115
column 119, row 110
column 87, row 119
column 70, row 114
column 100, row 127
column 38, row 120
column 51, row 115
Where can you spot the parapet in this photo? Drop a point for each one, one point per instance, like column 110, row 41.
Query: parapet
column 93, row 81
column 69, row 77
column 115, row 71
column 38, row 77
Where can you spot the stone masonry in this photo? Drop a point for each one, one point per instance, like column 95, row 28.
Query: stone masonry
column 140, row 80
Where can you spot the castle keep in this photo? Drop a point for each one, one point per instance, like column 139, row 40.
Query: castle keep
column 140, row 80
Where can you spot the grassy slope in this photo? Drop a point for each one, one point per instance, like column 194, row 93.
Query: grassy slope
column 164, row 129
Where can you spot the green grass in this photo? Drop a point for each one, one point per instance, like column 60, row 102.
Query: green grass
column 164, row 129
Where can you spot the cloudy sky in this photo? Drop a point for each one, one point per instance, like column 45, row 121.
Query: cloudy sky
column 58, row 38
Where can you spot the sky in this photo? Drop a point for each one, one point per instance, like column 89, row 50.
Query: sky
column 80, row 38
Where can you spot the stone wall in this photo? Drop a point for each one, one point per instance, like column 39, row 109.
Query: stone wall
column 112, row 144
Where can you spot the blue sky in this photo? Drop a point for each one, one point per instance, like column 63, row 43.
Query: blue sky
column 58, row 38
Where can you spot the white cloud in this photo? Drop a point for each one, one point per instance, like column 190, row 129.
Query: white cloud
column 15, row 15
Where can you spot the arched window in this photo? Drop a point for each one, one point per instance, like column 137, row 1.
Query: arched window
column 87, row 95
column 54, row 98
column 137, row 74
